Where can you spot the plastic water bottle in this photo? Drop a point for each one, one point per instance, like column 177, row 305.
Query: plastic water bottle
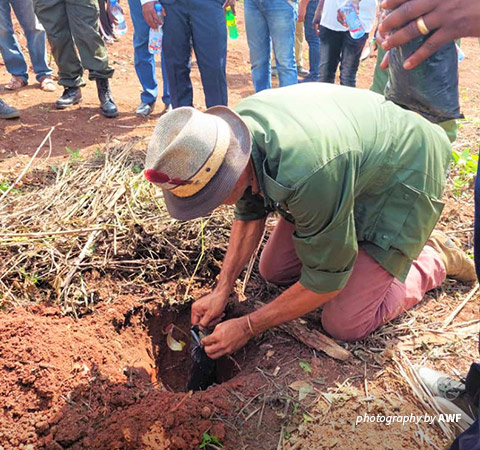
column 231, row 23
column 118, row 14
column 353, row 21
column 156, row 34
column 461, row 55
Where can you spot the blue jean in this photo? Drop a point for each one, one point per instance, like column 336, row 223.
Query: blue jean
column 144, row 60
column 201, row 24
column 313, row 40
column 271, row 21
column 339, row 47
column 36, row 40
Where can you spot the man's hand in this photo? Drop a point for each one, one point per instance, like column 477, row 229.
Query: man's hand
column 317, row 18
column 447, row 19
column 208, row 310
column 230, row 3
column 341, row 18
column 151, row 16
column 227, row 337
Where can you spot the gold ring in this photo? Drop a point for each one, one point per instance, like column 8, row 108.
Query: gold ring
column 421, row 26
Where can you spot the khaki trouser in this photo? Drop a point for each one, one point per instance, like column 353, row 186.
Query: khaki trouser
column 299, row 38
column 71, row 23
column 371, row 297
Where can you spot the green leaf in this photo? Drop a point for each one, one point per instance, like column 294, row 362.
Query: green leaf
column 307, row 418
column 305, row 366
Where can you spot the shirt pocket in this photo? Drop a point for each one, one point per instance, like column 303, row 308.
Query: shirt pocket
column 405, row 221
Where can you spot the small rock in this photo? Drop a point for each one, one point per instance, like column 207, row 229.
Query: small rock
column 42, row 426
column 206, row 412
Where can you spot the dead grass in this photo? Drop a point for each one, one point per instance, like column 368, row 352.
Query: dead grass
column 99, row 216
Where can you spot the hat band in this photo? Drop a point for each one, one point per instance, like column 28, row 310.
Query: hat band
column 211, row 166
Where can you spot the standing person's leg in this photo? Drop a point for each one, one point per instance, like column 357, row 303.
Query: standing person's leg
column 373, row 297
column 299, row 40
column 167, row 101
column 9, row 47
column 209, row 35
column 35, row 35
column 313, row 42
column 281, row 17
column 330, row 50
column 177, row 50
column 258, row 38
column 143, row 59
column 350, row 59
column 53, row 16
column 83, row 17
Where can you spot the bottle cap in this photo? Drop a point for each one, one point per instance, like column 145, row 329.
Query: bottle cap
column 113, row 2
column 158, row 7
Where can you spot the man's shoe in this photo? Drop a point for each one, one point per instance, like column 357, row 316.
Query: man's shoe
column 107, row 105
column 145, row 109
column 71, row 96
column 450, row 394
column 167, row 109
column 7, row 111
column 457, row 263
column 302, row 72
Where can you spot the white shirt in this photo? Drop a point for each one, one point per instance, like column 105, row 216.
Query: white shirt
column 368, row 10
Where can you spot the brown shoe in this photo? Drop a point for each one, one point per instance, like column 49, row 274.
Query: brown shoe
column 457, row 263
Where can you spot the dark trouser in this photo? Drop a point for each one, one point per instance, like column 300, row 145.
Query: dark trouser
column 66, row 21
column 200, row 23
column 313, row 40
column 339, row 47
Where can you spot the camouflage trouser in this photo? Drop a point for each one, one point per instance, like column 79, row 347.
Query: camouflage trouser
column 70, row 24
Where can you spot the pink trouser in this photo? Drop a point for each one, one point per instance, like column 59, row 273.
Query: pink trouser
column 371, row 297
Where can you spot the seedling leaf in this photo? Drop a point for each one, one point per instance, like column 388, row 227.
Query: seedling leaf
column 173, row 344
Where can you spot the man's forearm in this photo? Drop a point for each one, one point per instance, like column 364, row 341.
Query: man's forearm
column 244, row 239
column 291, row 304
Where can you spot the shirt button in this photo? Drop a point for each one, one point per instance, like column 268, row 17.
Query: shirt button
column 384, row 236
column 406, row 196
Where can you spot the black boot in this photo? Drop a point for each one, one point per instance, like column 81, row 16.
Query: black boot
column 71, row 96
column 109, row 109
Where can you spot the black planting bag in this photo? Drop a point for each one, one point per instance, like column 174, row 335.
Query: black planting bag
column 431, row 88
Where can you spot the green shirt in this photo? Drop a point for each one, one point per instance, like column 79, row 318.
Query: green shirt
column 349, row 169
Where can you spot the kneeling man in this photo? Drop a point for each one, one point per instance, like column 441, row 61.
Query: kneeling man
column 357, row 182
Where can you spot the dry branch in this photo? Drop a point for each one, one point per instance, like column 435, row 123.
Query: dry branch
column 454, row 313
column 313, row 338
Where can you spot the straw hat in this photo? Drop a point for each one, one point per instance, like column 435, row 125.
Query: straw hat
column 197, row 158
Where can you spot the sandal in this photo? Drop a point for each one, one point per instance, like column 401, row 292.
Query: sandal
column 47, row 84
column 15, row 83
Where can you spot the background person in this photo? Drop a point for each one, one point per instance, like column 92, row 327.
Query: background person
column 72, row 25
column 144, row 60
column 337, row 46
column 271, row 23
column 306, row 13
column 197, row 24
column 36, row 43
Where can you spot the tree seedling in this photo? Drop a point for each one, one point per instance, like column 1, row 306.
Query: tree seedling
column 210, row 441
